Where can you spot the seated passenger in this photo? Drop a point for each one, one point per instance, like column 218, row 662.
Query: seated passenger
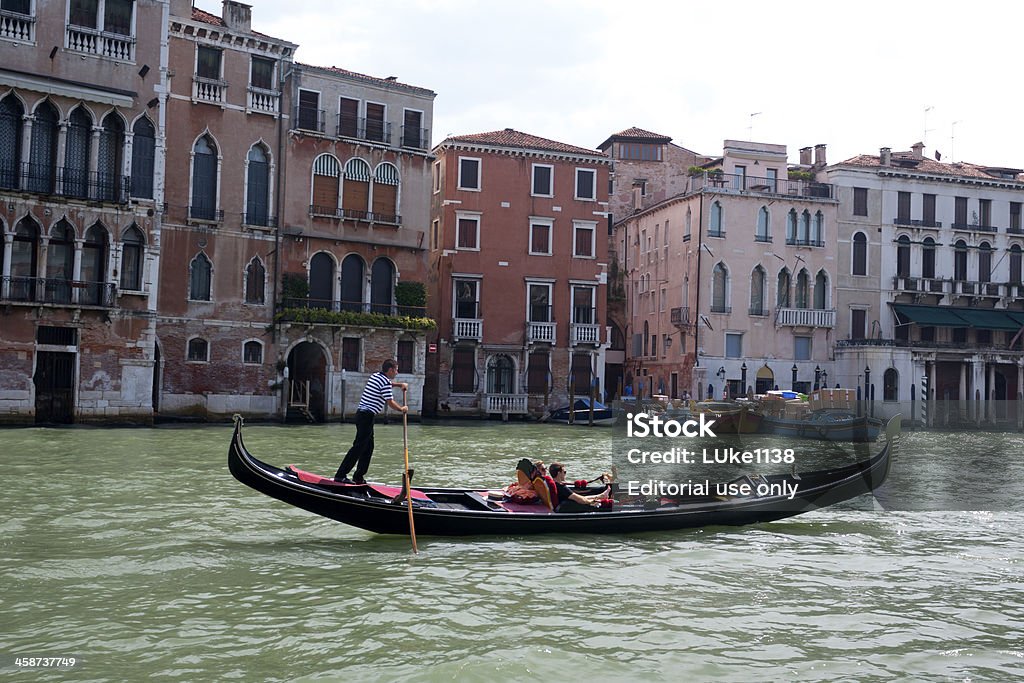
column 568, row 501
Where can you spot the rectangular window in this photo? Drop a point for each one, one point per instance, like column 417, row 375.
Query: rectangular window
column 542, row 180
column 466, row 299
column 467, row 232
column 583, row 239
column 435, row 230
column 252, row 353
column 985, row 212
column 928, row 210
column 802, row 348
column 198, row 350
column 903, row 207
column 435, row 176
column 583, row 312
column 262, row 73
column 960, row 214
column 858, row 326
column 539, row 296
column 117, row 17
column 928, row 334
column 469, row 173
column 540, row 236
column 586, row 184
column 406, row 356
column 537, row 375
column 463, row 370
column 208, row 62
column 959, row 335
column 348, row 118
column 309, row 110
column 1015, row 215
column 17, row 6
column 860, row 201
column 376, row 128
column 413, row 134
column 581, row 372
column 733, row 345
column 350, row 354
column 740, row 177
column 82, row 13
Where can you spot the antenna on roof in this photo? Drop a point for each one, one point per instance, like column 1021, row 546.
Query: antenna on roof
column 927, row 109
column 952, row 137
column 750, row 128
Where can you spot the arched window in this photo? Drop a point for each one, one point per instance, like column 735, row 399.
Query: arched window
column 500, row 375
column 255, row 282
column 984, row 262
column 60, row 262
column 715, row 226
column 326, row 171
column 719, row 285
column 143, row 158
column 860, row 254
column 94, row 266
column 204, row 180
column 42, row 170
column 802, row 287
column 110, row 160
column 200, row 278
column 252, row 353
column 132, row 244
column 818, row 229
column 903, row 256
column 385, row 194
column 257, row 187
column 763, row 233
column 355, row 201
column 689, row 221
column 353, row 283
column 198, row 350
column 1015, row 264
column 321, row 281
column 891, row 385
column 791, row 220
column 382, row 286
column 804, row 234
column 782, row 300
column 821, row 290
column 11, row 123
column 76, row 154
column 928, row 258
column 757, row 292
column 960, row 260
column 24, row 260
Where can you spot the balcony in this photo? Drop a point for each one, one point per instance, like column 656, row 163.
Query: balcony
column 805, row 317
column 259, row 219
column 505, row 404
column 264, row 101
column 57, row 292
column 416, row 138
column 336, row 306
column 971, row 288
column 742, row 184
column 213, row 90
column 803, row 242
column 17, row 26
column 90, row 41
column 65, row 182
column 372, row 130
column 903, row 283
column 467, row 328
column 309, row 119
column 915, row 223
column 680, row 316
column 584, row 333
column 960, row 225
column 540, row 332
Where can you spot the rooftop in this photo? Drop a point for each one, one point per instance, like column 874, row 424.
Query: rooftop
column 518, row 140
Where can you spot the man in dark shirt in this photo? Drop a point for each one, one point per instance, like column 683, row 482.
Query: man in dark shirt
column 557, row 472
column 376, row 393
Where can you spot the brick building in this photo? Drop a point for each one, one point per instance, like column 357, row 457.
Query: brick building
column 518, row 272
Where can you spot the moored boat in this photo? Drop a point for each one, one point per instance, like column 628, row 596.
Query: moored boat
column 604, row 416
column 731, row 417
column 473, row 511
column 826, row 414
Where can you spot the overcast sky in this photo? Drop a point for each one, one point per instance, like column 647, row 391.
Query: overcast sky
column 854, row 76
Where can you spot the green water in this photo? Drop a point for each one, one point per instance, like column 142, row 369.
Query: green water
column 135, row 552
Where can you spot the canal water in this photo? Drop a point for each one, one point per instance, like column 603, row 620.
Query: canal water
column 135, row 552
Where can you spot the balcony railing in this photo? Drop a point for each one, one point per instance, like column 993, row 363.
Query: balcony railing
column 510, row 404
column 417, row 138
column 916, row 223
column 541, row 332
column 729, row 182
column 805, row 317
column 308, row 118
column 467, row 328
column 906, row 284
column 64, row 182
column 17, row 26
column 260, row 218
column 585, row 333
column 209, row 90
column 341, row 306
column 804, row 242
column 264, row 101
column 91, row 41
column 57, row 291
column 205, row 213
column 373, row 130
column 716, row 308
column 680, row 316
column 758, row 311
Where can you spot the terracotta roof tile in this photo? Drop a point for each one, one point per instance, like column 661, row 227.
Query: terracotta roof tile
column 206, row 17
column 905, row 161
column 364, row 77
column 515, row 139
column 635, row 133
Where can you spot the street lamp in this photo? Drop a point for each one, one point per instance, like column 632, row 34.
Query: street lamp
column 794, row 376
column 824, row 379
column 743, row 378
column 817, row 377
column 867, row 385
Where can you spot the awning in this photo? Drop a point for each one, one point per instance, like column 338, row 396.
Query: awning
column 947, row 316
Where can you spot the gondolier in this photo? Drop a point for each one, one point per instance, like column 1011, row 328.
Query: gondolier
column 376, row 394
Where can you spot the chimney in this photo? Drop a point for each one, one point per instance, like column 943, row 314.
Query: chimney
column 237, row 16
column 819, row 156
column 805, row 156
column 181, row 8
column 885, row 156
column 918, row 149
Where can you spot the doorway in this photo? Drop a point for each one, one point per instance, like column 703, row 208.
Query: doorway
column 55, row 381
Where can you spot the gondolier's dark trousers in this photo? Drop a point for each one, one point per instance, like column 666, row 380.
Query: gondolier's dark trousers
column 362, row 447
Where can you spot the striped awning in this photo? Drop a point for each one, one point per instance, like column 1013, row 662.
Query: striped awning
column 949, row 316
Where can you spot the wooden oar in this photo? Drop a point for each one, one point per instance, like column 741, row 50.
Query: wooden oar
column 407, row 475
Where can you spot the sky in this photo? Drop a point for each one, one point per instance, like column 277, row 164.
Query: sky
column 852, row 76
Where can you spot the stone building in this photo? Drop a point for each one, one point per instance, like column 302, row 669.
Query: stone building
column 81, row 176
column 518, row 272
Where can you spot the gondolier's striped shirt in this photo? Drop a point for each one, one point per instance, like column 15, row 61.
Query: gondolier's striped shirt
column 376, row 393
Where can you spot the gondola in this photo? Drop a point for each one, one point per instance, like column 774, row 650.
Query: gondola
column 603, row 415
column 462, row 512
column 824, row 425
